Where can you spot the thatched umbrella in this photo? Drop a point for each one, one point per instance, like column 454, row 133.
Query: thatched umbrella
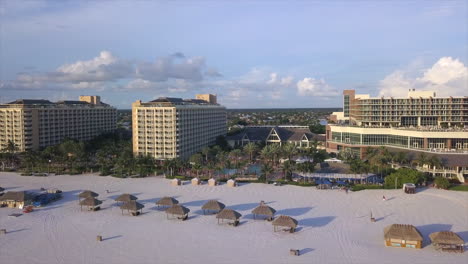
column 285, row 221
column 213, row 205
column 126, row 198
column 91, row 202
column 132, row 206
column 86, row 194
column 179, row 210
column 229, row 214
column 264, row 209
column 167, row 201
column 447, row 241
column 404, row 233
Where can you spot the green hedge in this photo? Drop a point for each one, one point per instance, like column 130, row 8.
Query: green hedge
column 360, row 187
column 462, row 188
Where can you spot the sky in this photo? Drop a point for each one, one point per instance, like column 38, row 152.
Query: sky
column 252, row 54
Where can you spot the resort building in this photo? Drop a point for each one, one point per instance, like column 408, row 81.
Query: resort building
column 421, row 122
column 35, row 124
column 300, row 136
column 168, row 128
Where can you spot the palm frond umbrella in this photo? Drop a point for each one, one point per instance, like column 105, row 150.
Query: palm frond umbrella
column 133, row 207
column 229, row 214
column 285, row 221
column 86, row 194
column 126, row 198
column 264, row 209
column 91, row 202
column 179, row 210
column 167, row 201
column 447, row 241
column 213, row 205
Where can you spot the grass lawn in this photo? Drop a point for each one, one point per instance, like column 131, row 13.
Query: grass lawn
column 463, row 188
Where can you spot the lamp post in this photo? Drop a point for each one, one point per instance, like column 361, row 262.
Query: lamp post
column 396, row 181
column 48, row 167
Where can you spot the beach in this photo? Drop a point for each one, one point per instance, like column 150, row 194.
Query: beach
column 334, row 226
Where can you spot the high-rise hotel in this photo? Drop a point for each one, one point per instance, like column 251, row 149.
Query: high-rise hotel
column 35, row 124
column 421, row 122
column 168, row 128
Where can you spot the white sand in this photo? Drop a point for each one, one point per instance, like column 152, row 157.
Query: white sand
column 334, row 226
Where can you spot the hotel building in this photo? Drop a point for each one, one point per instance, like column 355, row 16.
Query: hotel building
column 168, row 128
column 421, row 122
column 35, row 124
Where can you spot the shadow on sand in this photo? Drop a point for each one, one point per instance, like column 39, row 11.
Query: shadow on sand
column 197, row 203
column 112, row 237
column 243, row 207
column 294, row 211
column 316, row 221
column 17, row 230
column 305, row 251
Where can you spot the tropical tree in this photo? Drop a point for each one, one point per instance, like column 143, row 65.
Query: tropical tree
column 266, row 154
column 288, row 168
column 289, row 150
column 251, row 149
column 266, row 171
column 276, row 152
column 145, row 165
column 30, row 159
column 235, row 155
column 348, row 155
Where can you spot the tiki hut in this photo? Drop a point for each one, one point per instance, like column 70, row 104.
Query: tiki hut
column 133, row 207
column 126, row 198
column 398, row 235
column 167, row 202
column 213, row 206
column 231, row 183
column 284, row 221
column 195, row 181
column 447, row 241
column 265, row 210
column 176, row 182
column 15, row 199
column 178, row 210
column 229, row 214
column 92, row 204
column 86, row 194
column 212, row 182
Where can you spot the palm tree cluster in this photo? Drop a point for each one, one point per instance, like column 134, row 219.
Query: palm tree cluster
column 108, row 154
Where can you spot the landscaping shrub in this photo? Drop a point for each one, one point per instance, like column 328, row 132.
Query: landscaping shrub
column 360, row 187
column 441, row 182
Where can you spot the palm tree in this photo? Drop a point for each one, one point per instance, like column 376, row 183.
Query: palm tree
column 30, row 158
column 206, row 151
column 289, row 150
column 434, row 162
column 266, row 170
column 288, row 167
column 11, row 147
column 251, row 149
column 266, row 154
column 235, row 154
column 276, row 152
column 422, row 159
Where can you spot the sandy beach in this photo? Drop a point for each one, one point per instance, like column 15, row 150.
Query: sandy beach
column 334, row 227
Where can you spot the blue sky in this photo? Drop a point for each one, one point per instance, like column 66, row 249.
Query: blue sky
column 251, row 53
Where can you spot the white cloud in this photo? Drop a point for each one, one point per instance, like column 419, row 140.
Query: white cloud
column 175, row 71
column 315, row 87
column 447, row 77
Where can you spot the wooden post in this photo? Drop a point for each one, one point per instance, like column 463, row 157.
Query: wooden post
column 99, row 238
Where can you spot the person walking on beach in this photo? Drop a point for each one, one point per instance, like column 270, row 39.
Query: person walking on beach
column 383, row 198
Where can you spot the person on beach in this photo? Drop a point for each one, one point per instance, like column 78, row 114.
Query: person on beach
column 383, row 198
